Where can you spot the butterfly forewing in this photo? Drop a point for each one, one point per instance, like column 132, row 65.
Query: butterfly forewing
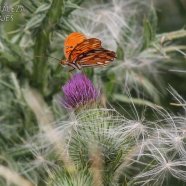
column 83, row 48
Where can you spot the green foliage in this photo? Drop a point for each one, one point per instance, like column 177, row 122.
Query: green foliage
column 43, row 34
column 149, row 34
column 63, row 178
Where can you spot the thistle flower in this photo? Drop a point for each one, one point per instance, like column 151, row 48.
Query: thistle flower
column 78, row 91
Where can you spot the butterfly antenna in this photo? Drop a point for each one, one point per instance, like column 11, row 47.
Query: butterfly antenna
column 50, row 57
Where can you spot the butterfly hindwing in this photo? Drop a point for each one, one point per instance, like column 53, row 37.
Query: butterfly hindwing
column 96, row 57
column 84, row 47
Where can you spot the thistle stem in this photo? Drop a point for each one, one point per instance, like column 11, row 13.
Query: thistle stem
column 42, row 44
column 171, row 35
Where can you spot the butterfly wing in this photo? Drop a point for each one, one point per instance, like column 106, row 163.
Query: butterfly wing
column 84, row 47
column 71, row 41
column 96, row 57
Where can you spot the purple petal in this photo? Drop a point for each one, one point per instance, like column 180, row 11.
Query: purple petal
column 79, row 90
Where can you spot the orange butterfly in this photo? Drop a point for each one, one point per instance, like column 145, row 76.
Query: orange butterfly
column 82, row 52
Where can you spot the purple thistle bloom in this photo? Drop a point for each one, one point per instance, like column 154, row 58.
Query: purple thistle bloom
column 79, row 90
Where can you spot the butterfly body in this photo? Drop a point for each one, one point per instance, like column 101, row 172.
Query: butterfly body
column 81, row 52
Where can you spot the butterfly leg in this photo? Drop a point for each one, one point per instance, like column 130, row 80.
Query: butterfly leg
column 72, row 69
column 70, row 72
column 74, row 66
column 78, row 66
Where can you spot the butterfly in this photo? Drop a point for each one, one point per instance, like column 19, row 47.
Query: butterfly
column 81, row 52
